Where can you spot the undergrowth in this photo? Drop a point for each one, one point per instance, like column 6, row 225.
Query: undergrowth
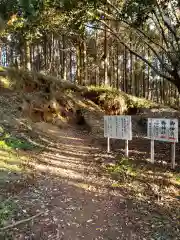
column 5, row 83
column 15, row 78
column 7, row 209
column 155, row 191
column 109, row 93
column 153, row 178
column 122, row 170
column 7, row 141
column 12, row 157
column 15, row 175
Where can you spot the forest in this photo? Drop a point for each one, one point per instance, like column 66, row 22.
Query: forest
column 130, row 45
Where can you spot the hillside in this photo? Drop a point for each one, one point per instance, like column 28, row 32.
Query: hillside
column 54, row 164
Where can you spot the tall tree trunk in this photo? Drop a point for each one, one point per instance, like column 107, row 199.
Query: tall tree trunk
column 81, row 62
column 27, row 55
column 64, row 58
column 85, row 62
column 106, row 57
column 78, row 61
column 136, row 77
column 97, row 80
column 113, row 76
column 144, row 81
column 148, row 77
column 70, row 66
column 125, row 82
column 117, row 66
column 45, row 51
column 133, row 68
column 51, row 65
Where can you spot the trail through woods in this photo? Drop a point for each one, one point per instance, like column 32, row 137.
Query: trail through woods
column 73, row 193
column 78, row 199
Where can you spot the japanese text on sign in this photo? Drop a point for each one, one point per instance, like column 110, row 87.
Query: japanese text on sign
column 163, row 129
column 119, row 127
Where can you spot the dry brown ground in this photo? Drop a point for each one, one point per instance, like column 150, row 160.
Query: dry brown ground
column 78, row 198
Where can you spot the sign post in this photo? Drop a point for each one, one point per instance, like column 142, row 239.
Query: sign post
column 108, row 145
column 118, row 127
column 152, row 150
column 173, row 155
column 127, row 148
column 165, row 130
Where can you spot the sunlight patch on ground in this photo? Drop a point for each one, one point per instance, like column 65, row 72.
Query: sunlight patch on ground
column 58, row 158
column 60, row 162
column 10, row 161
column 12, row 158
column 80, row 147
column 70, row 138
column 5, row 82
column 58, row 171
column 68, row 151
column 145, row 181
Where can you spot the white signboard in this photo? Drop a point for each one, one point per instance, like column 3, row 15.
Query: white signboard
column 118, row 127
column 163, row 129
column 166, row 130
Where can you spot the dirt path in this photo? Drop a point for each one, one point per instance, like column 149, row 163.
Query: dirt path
column 77, row 200
column 73, row 195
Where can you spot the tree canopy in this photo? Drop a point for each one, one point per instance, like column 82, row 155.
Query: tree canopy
column 145, row 28
column 154, row 23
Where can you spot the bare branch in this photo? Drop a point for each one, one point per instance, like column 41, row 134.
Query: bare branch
column 105, row 13
column 150, row 47
column 139, row 31
column 162, row 30
column 167, row 41
column 20, row 222
column 135, row 53
column 174, row 12
column 151, row 42
column 169, row 27
column 173, row 32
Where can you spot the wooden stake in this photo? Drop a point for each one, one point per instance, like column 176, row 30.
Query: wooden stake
column 173, row 155
column 152, row 150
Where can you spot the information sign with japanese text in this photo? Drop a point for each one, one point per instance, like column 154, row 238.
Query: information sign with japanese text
column 163, row 129
column 118, row 127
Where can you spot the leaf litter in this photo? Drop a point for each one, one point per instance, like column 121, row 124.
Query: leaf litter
column 129, row 201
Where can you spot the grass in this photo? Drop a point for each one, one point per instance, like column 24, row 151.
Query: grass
column 123, row 169
column 7, row 209
column 177, row 177
column 16, row 143
column 1, row 68
column 15, row 175
column 5, row 83
column 11, row 158
column 7, row 141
